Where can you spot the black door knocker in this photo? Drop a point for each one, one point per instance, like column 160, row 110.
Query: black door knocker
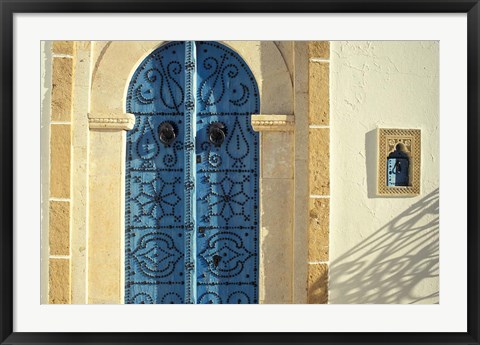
column 167, row 132
column 216, row 133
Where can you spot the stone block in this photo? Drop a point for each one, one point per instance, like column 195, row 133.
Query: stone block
column 79, row 224
column 104, row 240
column 319, row 49
column 59, row 281
column 300, row 77
column 319, row 93
column 318, row 283
column 301, row 125
column 276, row 241
column 62, row 88
column 106, row 155
column 300, row 232
column 59, row 223
column 319, row 161
column 105, row 215
column 109, row 76
column 60, row 147
column 318, row 232
column 63, row 47
column 277, row 154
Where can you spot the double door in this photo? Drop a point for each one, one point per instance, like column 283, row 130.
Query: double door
column 191, row 191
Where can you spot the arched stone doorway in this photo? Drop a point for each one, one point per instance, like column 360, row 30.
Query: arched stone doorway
column 114, row 65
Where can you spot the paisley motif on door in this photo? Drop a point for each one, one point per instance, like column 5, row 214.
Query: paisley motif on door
column 192, row 178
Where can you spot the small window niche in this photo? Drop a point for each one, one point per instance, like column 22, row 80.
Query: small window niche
column 399, row 152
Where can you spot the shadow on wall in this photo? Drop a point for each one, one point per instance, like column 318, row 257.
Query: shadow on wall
column 318, row 284
column 396, row 264
column 371, row 163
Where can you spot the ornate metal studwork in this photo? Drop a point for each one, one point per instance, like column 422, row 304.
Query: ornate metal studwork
column 190, row 243
column 192, row 202
column 155, row 215
column 227, row 193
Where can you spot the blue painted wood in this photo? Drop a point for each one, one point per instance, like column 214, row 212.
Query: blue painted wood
column 192, row 206
column 397, row 171
column 155, row 212
column 190, row 172
column 227, row 175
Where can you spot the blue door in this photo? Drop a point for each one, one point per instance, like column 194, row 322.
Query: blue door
column 192, row 178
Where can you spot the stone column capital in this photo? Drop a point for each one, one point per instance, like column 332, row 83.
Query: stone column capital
column 276, row 123
column 111, row 121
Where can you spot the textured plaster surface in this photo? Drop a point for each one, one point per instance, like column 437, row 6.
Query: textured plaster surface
column 382, row 250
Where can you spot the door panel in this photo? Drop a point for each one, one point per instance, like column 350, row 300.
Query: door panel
column 192, row 206
column 154, row 215
column 227, row 175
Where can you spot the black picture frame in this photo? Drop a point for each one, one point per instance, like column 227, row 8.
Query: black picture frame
column 9, row 8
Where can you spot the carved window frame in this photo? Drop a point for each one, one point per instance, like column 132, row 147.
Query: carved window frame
column 388, row 139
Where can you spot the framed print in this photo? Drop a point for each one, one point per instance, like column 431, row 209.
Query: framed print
column 169, row 160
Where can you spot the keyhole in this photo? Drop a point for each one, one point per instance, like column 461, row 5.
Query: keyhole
column 216, row 260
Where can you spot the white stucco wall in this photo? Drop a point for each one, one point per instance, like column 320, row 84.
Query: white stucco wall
column 382, row 250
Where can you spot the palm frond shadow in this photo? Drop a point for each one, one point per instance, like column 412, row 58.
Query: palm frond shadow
column 389, row 265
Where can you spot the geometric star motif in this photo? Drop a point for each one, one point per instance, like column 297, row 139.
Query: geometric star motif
column 158, row 199
column 227, row 198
